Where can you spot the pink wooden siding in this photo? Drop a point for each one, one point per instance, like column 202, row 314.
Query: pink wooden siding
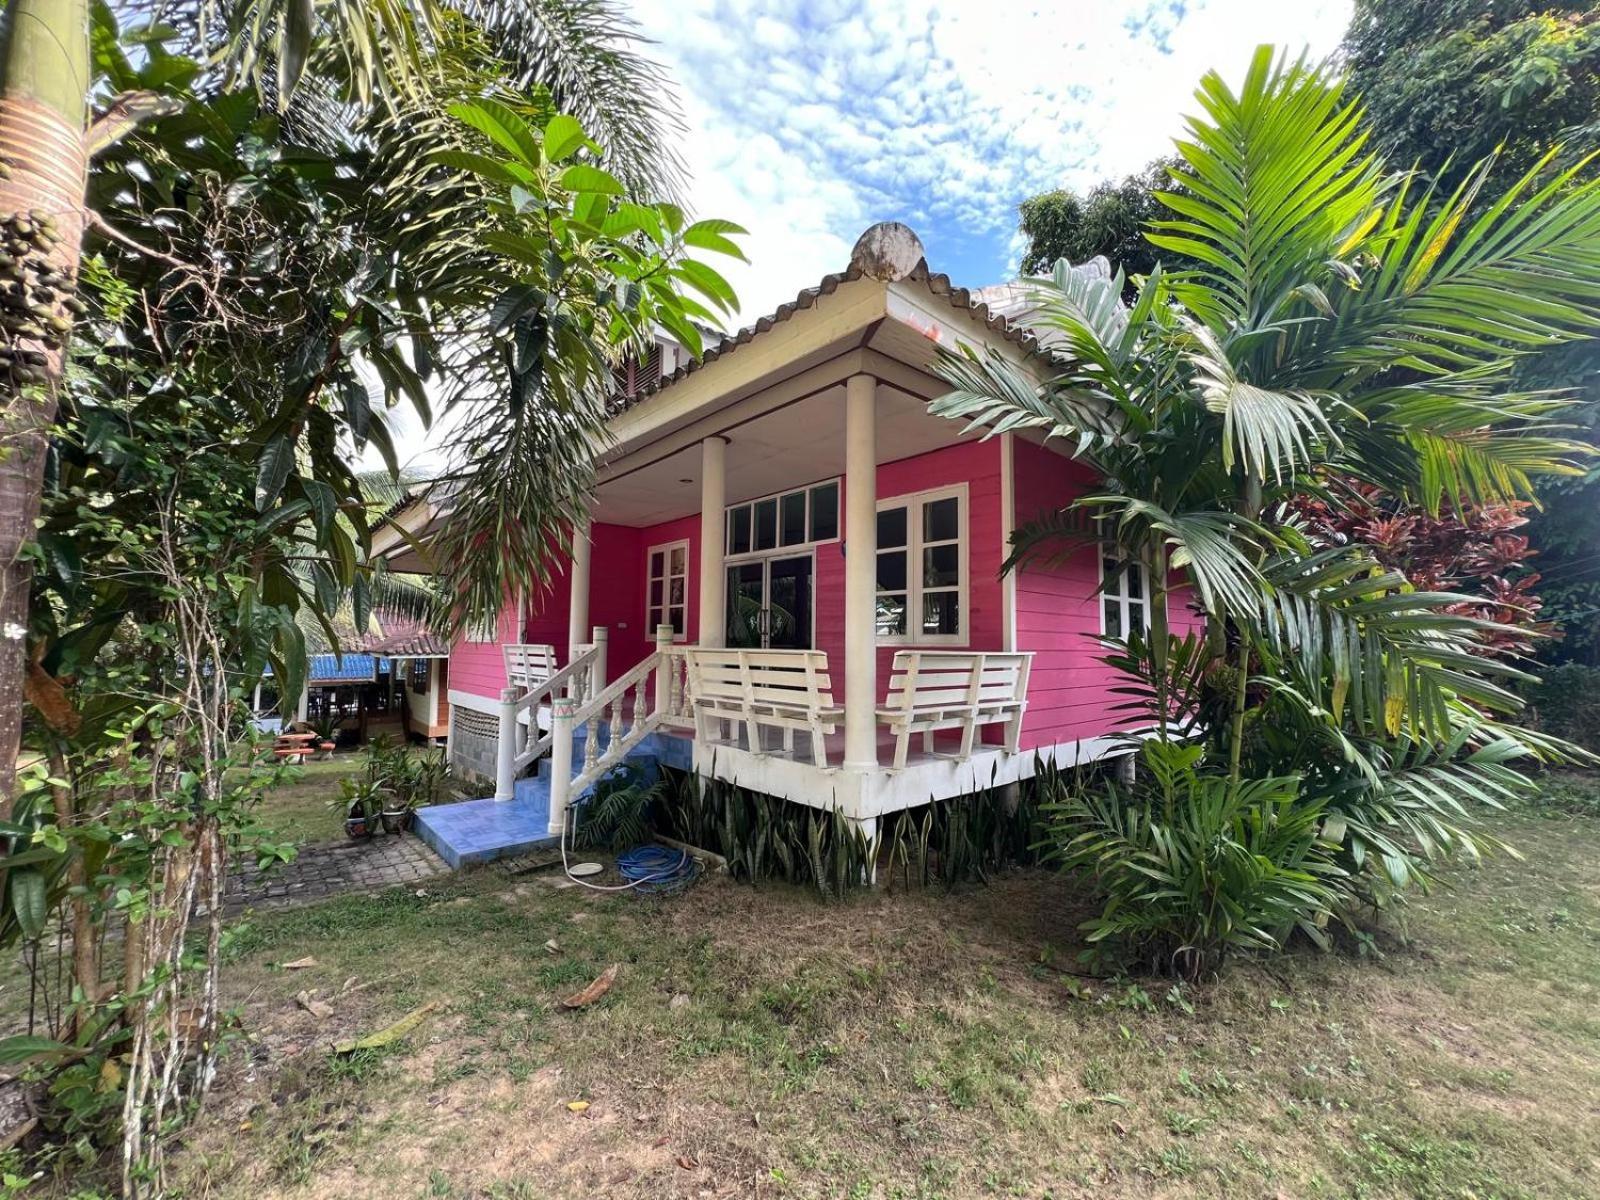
column 1058, row 614
column 480, row 667
column 977, row 464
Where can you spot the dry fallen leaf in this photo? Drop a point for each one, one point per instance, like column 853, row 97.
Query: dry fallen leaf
column 686, row 1162
column 300, row 964
column 552, row 947
column 659, row 1142
column 595, row 990
column 320, row 1009
column 577, row 1106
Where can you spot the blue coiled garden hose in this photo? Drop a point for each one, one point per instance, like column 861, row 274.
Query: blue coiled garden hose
column 656, row 869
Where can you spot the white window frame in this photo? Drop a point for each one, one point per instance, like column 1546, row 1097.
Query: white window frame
column 793, row 547
column 1122, row 595
column 662, row 614
column 483, row 633
column 913, row 502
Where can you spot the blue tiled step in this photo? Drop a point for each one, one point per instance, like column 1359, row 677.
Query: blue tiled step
column 480, row 831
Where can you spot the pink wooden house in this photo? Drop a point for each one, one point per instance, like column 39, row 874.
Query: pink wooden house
column 792, row 581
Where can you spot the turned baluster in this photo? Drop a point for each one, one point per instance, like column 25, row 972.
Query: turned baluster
column 638, row 707
column 591, row 735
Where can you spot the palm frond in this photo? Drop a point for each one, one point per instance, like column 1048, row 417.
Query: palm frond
column 1266, row 431
column 584, row 53
column 1274, row 176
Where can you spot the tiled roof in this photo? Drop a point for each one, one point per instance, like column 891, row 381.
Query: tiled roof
column 425, row 644
column 939, row 285
column 394, row 634
column 341, row 668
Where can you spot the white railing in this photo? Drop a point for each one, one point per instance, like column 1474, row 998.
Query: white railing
column 614, row 720
column 672, row 685
column 521, row 742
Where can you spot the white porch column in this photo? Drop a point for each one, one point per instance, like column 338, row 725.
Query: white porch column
column 713, row 576
column 860, row 572
column 578, row 606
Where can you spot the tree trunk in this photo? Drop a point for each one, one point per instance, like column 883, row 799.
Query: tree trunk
column 1251, row 508
column 44, row 87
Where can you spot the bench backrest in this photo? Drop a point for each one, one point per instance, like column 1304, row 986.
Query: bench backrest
column 952, row 678
column 798, row 678
column 527, row 664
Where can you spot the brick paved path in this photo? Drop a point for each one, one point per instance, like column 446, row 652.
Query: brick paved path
column 334, row 868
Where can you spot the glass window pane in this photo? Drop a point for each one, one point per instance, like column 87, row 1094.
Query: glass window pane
column 941, row 566
column 675, row 593
column 739, row 534
column 793, row 523
column 1135, row 580
column 657, row 561
column 941, row 520
column 679, row 560
column 766, row 524
column 892, row 571
column 824, row 512
column 1113, row 611
column 677, row 621
column 941, row 613
column 1138, row 616
column 891, row 528
column 891, row 615
column 655, row 593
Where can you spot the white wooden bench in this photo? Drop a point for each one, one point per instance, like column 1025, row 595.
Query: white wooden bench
column 932, row 690
column 782, row 689
column 528, row 665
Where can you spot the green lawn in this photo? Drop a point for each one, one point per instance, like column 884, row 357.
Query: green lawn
column 764, row 1043
column 299, row 812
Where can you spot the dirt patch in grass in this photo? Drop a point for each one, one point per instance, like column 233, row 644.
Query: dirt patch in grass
column 764, row 1043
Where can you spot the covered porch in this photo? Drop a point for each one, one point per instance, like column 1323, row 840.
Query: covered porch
column 817, row 562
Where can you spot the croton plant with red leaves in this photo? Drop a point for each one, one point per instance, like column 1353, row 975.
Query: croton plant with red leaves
column 1472, row 549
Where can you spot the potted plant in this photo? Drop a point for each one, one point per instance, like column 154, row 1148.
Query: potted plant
column 361, row 801
column 326, row 727
column 432, row 773
column 400, row 795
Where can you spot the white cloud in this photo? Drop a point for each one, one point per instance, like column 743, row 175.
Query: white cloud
column 809, row 122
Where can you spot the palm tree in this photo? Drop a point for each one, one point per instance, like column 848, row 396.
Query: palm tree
column 356, row 60
column 1338, row 322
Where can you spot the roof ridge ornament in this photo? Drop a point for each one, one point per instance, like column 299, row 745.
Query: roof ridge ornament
column 888, row 251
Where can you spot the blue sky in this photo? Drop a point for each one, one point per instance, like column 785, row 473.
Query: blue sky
column 808, row 122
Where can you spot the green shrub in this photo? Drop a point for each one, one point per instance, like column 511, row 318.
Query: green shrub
column 1566, row 703
column 1190, row 867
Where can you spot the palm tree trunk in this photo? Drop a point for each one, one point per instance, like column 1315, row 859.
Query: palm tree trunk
column 1160, row 636
column 1241, row 693
column 44, row 87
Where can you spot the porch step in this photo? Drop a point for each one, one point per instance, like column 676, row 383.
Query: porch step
column 480, row 831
